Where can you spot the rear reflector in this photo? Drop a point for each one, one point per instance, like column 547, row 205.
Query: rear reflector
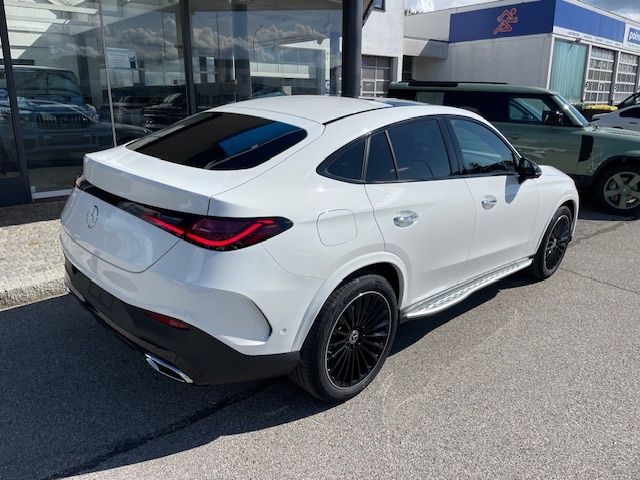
column 214, row 233
column 166, row 320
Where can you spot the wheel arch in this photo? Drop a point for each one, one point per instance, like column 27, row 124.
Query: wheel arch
column 383, row 263
column 632, row 158
column 570, row 200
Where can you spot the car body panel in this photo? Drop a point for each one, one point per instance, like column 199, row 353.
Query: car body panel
column 263, row 299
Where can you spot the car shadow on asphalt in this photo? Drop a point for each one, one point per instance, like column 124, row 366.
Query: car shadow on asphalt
column 591, row 210
column 75, row 399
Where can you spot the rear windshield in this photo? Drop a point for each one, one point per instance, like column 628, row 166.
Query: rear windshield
column 220, row 141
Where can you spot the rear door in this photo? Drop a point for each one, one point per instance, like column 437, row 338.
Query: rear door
column 506, row 208
column 423, row 207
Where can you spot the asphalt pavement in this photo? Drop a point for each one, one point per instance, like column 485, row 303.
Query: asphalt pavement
column 522, row 380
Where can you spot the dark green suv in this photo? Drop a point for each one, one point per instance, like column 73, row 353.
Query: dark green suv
column 548, row 130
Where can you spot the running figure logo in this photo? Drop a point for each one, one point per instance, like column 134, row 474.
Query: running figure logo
column 505, row 20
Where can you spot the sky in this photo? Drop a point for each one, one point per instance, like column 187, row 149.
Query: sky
column 628, row 8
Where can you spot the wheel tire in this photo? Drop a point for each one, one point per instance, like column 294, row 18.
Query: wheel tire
column 607, row 182
column 554, row 244
column 319, row 372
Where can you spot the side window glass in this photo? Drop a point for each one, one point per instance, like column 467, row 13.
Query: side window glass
column 380, row 167
column 434, row 98
column 631, row 113
column 420, row 150
column 531, row 110
column 488, row 104
column 483, row 152
column 348, row 163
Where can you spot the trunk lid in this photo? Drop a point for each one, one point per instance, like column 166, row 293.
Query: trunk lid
column 126, row 175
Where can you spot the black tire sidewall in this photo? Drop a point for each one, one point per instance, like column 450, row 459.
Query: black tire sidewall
column 540, row 260
column 327, row 320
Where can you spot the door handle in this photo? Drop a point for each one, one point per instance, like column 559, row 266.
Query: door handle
column 405, row 219
column 489, row 202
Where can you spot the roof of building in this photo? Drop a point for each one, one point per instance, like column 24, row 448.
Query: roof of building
column 467, row 87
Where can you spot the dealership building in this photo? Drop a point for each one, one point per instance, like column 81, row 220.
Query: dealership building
column 84, row 75
column 587, row 54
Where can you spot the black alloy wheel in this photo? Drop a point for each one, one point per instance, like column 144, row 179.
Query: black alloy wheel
column 555, row 242
column 350, row 339
column 358, row 339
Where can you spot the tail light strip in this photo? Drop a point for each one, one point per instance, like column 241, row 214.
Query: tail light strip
column 214, row 233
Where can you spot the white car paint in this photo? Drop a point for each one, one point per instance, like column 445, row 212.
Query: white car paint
column 627, row 118
column 265, row 297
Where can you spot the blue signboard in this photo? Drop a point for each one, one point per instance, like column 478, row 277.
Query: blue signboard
column 513, row 20
column 582, row 20
column 634, row 36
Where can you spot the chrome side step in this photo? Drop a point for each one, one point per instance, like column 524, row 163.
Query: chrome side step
column 442, row 301
column 167, row 369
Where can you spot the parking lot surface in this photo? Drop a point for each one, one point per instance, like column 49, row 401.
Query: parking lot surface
column 522, row 380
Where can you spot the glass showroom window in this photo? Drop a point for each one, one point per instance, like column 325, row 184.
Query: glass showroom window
column 9, row 167
column 245, row 50
column 600, row 75
column 57, row 57
column 626, row 78
column 145, row 62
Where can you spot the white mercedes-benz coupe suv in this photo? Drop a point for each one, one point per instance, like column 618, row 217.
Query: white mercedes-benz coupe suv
column 291, row 235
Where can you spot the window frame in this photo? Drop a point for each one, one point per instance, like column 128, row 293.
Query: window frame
column 449, row 147
column 323, row 168
column 454, row 163
column 568, row 121
column 517, row 158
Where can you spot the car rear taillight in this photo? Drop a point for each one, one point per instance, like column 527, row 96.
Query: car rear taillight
column 215, row 233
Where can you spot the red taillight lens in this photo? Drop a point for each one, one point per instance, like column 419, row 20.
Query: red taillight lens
column 234, row 233
column 214, row 233
column 166, row 320
column 224, row 233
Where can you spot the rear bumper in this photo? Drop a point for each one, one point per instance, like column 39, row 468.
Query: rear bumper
column 203, row 358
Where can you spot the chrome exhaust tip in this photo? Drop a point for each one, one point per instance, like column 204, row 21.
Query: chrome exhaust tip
column 167, row 369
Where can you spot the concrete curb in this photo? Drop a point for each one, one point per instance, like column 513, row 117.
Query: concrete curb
column 26, row 294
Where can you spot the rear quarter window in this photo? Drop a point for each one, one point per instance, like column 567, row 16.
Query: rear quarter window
column 220, row 141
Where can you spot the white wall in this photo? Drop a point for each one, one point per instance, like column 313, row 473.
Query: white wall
column 517, row 60
column 383, row 34
column 430, row 26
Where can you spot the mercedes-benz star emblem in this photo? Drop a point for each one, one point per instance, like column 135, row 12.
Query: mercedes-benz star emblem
column 92, row 216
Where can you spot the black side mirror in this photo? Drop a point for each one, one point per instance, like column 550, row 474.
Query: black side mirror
column 554, row 118
column 528, row 169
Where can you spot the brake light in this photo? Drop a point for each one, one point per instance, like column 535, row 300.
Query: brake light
column 215, row 233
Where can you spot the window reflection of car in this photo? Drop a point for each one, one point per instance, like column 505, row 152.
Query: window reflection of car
column 173, row 107
column 58, row 124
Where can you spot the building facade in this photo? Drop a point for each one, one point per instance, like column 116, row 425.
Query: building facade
column 382, row 47
column 84, row 75
column 587, row 54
